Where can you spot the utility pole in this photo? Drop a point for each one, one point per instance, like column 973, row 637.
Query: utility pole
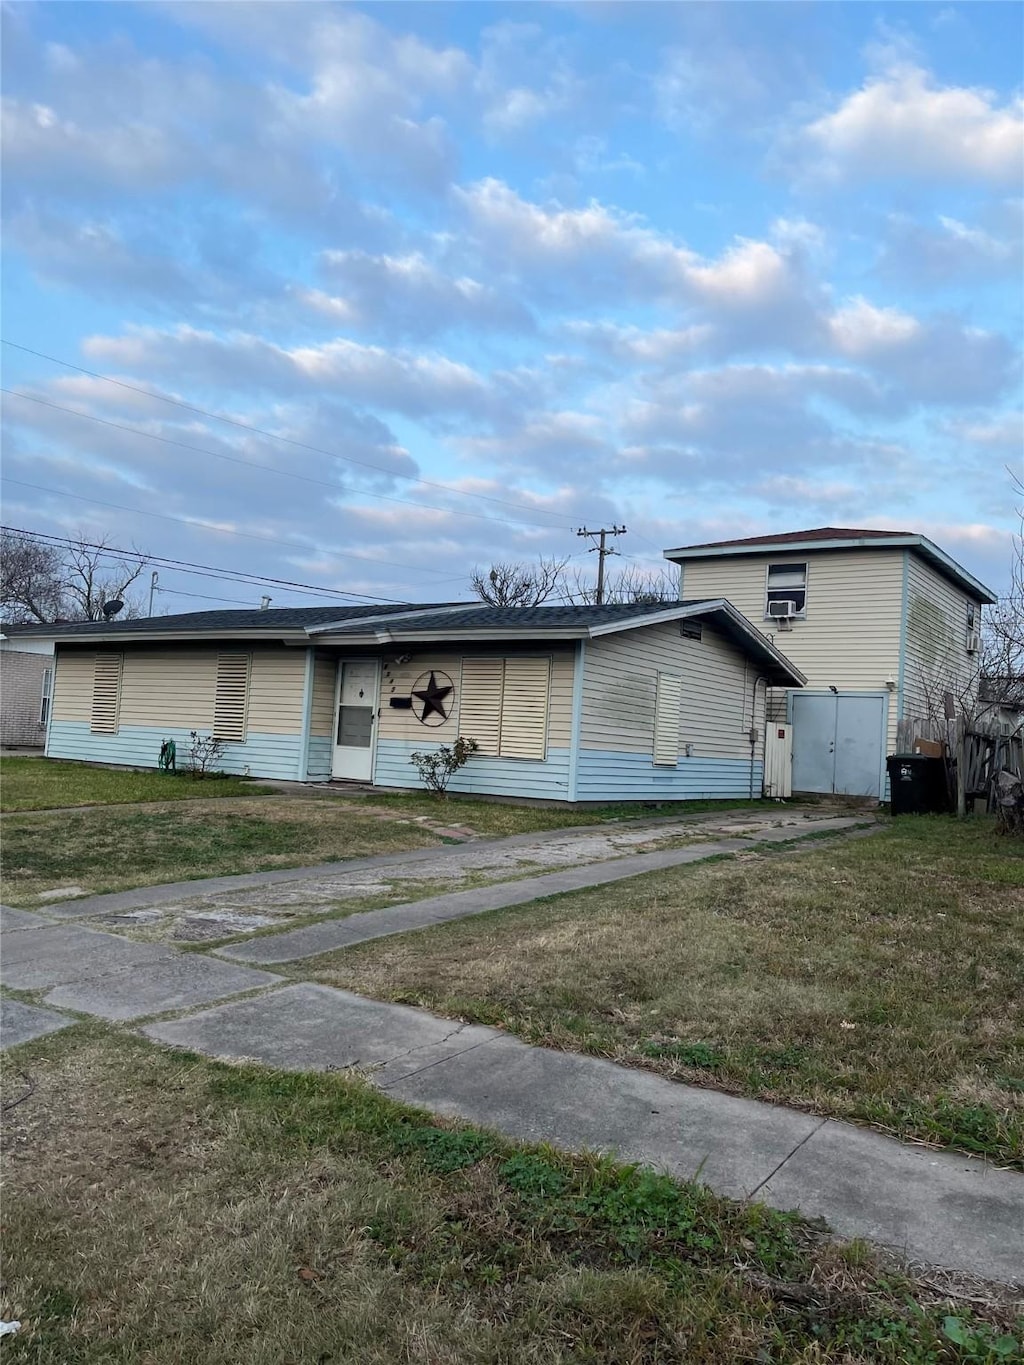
column 154, row 579
column 602, row 552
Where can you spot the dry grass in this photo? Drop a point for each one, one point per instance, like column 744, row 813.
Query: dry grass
column 878, row 979
column 110, row 849
column 161, row 1210
column 49, row 783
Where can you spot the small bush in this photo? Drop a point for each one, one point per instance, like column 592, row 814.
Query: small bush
column 438, row 766
column 204, row 754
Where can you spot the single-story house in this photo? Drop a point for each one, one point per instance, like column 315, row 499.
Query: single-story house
column 590, row 703
column 26, row 683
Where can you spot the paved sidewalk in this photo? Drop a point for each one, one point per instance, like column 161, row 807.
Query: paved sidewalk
column 330, row 934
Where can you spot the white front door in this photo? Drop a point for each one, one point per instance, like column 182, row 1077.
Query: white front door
column 355, row 719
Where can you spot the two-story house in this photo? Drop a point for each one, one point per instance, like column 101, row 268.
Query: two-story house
column 882, row 623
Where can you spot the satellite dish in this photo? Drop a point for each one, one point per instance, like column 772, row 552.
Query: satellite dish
column 112, row 608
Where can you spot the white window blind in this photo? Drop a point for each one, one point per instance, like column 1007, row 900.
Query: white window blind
column 668, row 701
column 524, row 710
column 106, row 693
column 504, row 705
column 483, row 683
column 231, row 698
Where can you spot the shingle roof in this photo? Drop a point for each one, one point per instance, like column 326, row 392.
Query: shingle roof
column 274, row 618
column 563, row 617
column 788, row 537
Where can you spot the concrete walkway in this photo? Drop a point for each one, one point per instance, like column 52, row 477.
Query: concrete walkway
column 950, row 1210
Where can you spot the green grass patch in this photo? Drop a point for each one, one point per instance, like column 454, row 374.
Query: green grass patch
column 50, row 783
column 500, row 817
column 112, row 850
column 873, row 979
column 162, row 1208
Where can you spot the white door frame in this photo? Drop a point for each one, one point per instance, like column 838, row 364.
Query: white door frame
column 375, row 720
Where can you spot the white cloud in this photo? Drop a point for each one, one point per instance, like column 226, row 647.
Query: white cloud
column 901, row 124
column 860, row 329
column 950, row 252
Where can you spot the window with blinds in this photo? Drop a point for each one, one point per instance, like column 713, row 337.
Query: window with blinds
column 106, row 693
column 231, row 698
column 504, row 706
column 667, row 704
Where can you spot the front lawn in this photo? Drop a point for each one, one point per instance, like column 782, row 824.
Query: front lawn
column 501, row 817
column 877, row 979
column 50, row 783
column 112, row 850
column 163, row 1209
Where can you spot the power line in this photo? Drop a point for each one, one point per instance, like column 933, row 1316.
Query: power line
column 187, row 566
column 266, row 469
column 218, row 530
column 204, row 596
column 273, row 436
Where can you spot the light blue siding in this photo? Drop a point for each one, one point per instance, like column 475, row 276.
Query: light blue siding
column 547, row 780
column 138, row 746
column 611, row 775
column 318, row 763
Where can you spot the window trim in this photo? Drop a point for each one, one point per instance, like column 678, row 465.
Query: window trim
column 46, row 697
column 785, row 563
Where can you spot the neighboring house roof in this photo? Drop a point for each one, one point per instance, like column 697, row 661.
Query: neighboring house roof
column 434, row 624
column 840, row 538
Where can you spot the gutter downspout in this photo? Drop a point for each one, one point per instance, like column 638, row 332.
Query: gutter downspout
column 753, row 727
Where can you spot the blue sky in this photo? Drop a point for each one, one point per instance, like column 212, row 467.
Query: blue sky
column 482, row 273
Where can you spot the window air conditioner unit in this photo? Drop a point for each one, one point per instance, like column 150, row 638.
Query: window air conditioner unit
column 782, row 609
column 973, row 642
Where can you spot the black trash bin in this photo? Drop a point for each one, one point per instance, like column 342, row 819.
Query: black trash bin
column 917, row 784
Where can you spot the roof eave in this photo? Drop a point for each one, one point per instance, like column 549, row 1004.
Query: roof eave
column 925, row 547
column 288, row 637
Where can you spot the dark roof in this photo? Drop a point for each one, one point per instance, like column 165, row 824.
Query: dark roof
column 205, row 622
column 785, row 537
column 564, row 617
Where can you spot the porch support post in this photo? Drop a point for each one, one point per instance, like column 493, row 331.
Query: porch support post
column 307, row 714
column 577, row 716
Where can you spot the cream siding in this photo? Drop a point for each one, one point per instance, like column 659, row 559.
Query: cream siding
column 397, row 680
column 850, row 637
column 620, row 693
column 936, row 658
column 325, row 679
column 177, row 687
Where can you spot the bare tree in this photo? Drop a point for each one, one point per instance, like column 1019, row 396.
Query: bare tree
column 47, row 584
column 511, row 584
column 1002, row 635
column 632, row 585
column 31, row 576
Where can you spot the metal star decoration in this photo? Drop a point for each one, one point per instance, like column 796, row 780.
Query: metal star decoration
column 432, row 696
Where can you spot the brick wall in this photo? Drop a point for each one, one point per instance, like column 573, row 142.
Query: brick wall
column 21, row 687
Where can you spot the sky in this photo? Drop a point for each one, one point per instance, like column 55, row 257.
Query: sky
column 392, row 292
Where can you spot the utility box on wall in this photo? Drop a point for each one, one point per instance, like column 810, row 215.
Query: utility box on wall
column 778, row 761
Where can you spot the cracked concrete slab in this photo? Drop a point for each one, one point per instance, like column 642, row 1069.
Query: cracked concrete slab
column 13, row 920
column 63, row 952
column 928, row 1205
column 176, row 982
column 20, row 1023
column 308, row 1027
column 578, row 1102
column 330, row 935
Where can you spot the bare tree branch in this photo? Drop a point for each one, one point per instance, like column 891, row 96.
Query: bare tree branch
column 511, row 584
column 42, row 583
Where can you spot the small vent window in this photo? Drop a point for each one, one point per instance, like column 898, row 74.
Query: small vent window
column 231, row 699
column 667, row 704
column 106, row 693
